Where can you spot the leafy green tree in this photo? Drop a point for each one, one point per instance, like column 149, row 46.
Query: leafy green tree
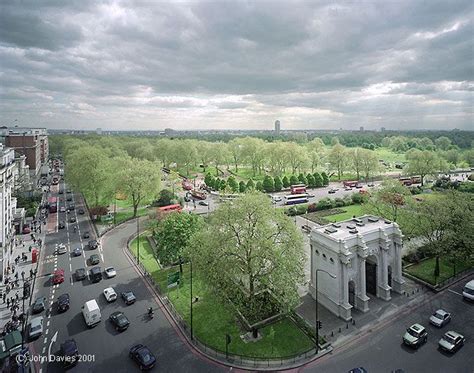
column 277, row 183
column 233, row 185
column 325, row 178
column 235, row 150
column 338, row 159
column 250, row 185
column 268, row 184
column 173, row 235
column 355, row 157
column 256, row 249
column 302, row 179
column 223, row 184
column 422, row 163
column 369, row 163
column 294, row 180
column 210, row 181
column 310, row 180
column 318, row 180
column 443, row 143
column 242, row 187
column 259, row 186
column 286, row 183
column 165, row 198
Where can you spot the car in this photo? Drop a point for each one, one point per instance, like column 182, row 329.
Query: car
column 61, row 225
column 63, row 302
column 35, row 328
column 71, row 207
column 142, row 356
column 61, row 191
column 451, row 341
column 69, row 198
column 69, row 353
column 203, row 203
column 77, row 251
column 119, row 320
column 358, row 370
column 371, row 185
column 358, row 186
column 69, row 190
column 347, row 188
column 306, row 228
column 468, row 291
column 187, row 199
column 440, row 318
column 95, row 274
column 86, row 234
column 58, row 276
column 94, row 259
column 39, row 305
column 62, row 209
column 110, row 294
column 61, row 249
column 80, row 274
column 128, row 297
column 110, row 272
column 415, row 336
column 332, row 190
column 72, row 219
column 81, row 211
column 93, row 244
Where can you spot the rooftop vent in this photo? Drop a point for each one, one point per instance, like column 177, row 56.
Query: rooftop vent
column 330, row 230
column 373, row 219
column 351, row 226
column 388, row 222
column 360, row 224
column 336, row 225
column 353, row 231
column 357, row 220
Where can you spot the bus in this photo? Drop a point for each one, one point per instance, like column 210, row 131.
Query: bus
column 298, row 189
column 52, row 204
column 350, row 184
column 165, row 210
column 294, row 199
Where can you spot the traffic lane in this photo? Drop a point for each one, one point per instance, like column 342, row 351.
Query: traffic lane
column 383, row 349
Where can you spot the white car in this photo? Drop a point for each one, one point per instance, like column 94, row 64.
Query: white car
column 61, row 249
column 110, row 294
column 110, row 272
column 62, row 209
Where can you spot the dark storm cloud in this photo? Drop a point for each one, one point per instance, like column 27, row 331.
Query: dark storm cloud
column 236, row 63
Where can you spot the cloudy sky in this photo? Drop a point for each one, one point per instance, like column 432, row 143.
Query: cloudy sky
column 237, row 64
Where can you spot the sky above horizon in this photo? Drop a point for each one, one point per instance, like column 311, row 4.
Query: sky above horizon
column 125, row 65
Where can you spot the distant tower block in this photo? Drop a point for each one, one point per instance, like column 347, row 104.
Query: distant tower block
column 277, row 128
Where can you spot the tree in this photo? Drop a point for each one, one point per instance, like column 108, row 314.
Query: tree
column 235, row 150
column 422, row 163
column 294, row 180
column 443, row 143
column 139, row 180
column 250, row 185
column 185, row 153
column 256, row 249
column 302, row 179
column 268, row 185
column 318, row 180
column 233, row 185
column 453, row 156
column 356, row 159
column 325, row 178
column 259, row 186
column 278, row 184
column 223, row 184
column 296, row 156
column 204, row 152
column 338, row 159
column 219, row 155
column 242, row 187
column 369, row 163
column 209, row 181
column 310, row 180
column 173, row 235
column 165, row 198
column 286, row 183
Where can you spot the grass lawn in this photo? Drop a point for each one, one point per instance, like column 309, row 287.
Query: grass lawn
column 389, row 156
column 350, row 212
column 212, row 319
column 125, row 215
column 146, row 253
column 424, row 270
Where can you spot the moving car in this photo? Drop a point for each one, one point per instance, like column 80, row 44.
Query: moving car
column 69, row 198
column 72, row 219
column 94, row 259
column 440, row 318
column 39, row 305
column 95, row 274
column 120, row 321
column 332, row 190
column 81, row 211
column 63, row 302
column 451, row 341
column 61, row 225
column 61, row 249
column 306, row 228
column 58, row 276
column 110, row 272
column 415, row 336
column 80, row 274
column 128, row 297
column 77, row 251
column 86, row 234
column 62, row 209
column 203, row 203
column 91, row 313
column 69, row 353
column 35, row 328
column 142, row 356
column 110, row 294
column 93, row 244
column 468, row 291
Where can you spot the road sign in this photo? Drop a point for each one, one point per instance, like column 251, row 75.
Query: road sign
column 173, row 279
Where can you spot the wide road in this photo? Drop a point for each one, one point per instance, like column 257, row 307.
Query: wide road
column 106, row 349
column 382, row 350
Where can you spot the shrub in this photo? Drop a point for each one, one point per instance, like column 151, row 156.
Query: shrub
column 325, row 178
column 294, row 180
column 339, row 202
column 278, row 184
column 357, row 198
column 310, row 180
column 325, row 204
column 301, row 209
column 268, row 185
column 318, row 180
column 259, row 186
column 347, row 200
column 285, row 182
column 302, row 179
column 242, row 187
column 250, row 185
column 312, row 207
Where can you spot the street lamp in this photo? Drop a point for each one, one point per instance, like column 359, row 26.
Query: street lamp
column 317, row 308
column 138, row 240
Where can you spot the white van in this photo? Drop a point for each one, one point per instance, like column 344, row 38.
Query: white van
column 468, row 291
column 91, row 313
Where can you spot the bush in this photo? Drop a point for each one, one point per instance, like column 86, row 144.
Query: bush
column 242, row 187
column 467, row 187
column 339, row 202
column 302, row 179
column 268, row 185
column 325, row 204
column 318, row 180
column 285, row 182
column 310, row 180
column 294, row 180
column 357, row 198
column 301, row 209
column 312, row 207
column 278, row 184
column 325, row 178
column 347, row 200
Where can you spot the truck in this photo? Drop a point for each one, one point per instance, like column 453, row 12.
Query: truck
column 298, row 189
column 91, row 313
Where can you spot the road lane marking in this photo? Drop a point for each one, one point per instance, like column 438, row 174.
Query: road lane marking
column 455, row 292
column 47, row 331
column 70, row 267
column 43, row 351
column 102, row 256
column 70, row 279
column 47, row 324
column 45, row 340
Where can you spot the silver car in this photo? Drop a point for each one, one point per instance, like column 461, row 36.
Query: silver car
column 451, row 341
column 440, row 318
column 36, row 327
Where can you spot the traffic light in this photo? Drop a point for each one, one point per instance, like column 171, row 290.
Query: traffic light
column 319, row 324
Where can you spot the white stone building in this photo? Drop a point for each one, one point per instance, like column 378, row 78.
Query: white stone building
column 365, row 256
column 7, row 205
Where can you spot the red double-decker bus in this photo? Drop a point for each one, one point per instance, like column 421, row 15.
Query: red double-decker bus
column 53, row 204
column 298, row 189
column 350, row 184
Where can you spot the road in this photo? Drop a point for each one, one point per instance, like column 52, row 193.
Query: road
column 106, row 349
column 382, row 350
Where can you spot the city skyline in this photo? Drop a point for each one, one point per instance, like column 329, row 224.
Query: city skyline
column 219, row 66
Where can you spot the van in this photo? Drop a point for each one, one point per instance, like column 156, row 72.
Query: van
column 468, row 291
column 91, row 313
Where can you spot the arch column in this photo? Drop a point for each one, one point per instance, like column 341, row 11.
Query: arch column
column 362, row 300
column 397, row 276
column 382, row 282
column 344, row 305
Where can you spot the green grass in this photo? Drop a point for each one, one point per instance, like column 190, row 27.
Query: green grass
column 425, row 269
column 146, row 252
column 389, row 156
column 213, row 319
column 350, row 211
column 125, row 215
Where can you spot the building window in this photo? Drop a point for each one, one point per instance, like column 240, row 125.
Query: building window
column 324, row 256
column 317, row 252
column 332, row 260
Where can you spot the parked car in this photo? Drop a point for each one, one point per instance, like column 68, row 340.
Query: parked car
column 62, row 209
column 80, row 274
column 61, row 225
column 440, row 318
column 142, row 356
column 77, row 251
column 415, row 336
column 332, row 190
column 119, row 320
column 72, row 219
column 81, row 211
column 358, row 370
column 110, row 294
column 71, row 207
column 347, row 188
column 468, row 291
column 58, row 276
column 451, row 341
column 39, row 305
column 86, row 234
column 63, row 302
column 69, row 198
column 69, row 353
column 359, row 186
column 94, row 259
column 93, row 244
column 128, row 297
column 95, row 274
column 306, row 228
column 203, row 203
column 36, row 327
column 110, row 272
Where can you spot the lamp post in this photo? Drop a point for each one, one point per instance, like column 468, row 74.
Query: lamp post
column 138, row 239
column 317, row 308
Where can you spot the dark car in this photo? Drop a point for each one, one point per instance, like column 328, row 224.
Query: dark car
column 93, row 244
column 81, row 211
column 128, row 297
column 39, row 305
column 203, row 203
column 332, row 190
column 80, row 274
column 71, row 207
column 72, row 219
column 94, row 259
column 69, row 198
column 61, row 191
column 142, row 356
column 86, row 234
column 61, row 225
column 63, row 302
column 119, row 320
column 358, row 370
column 95, row 274
column 69, row 353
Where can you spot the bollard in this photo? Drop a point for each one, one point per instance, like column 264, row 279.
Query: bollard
column 340, row 330
column 347, row 325
column 413, row 292
column 332, row 333
column 353, row 322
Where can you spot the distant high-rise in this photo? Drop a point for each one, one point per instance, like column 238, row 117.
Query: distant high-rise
column 98, row 131
column 361, row 129
column 277, row 128
column 382, row 129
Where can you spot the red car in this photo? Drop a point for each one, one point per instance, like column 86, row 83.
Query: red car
column 26, row 230
column 58, row 276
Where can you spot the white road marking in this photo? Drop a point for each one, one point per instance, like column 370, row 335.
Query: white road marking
column 102, row 256
column 455, row 292
column 47, row 331
column 49, row 315
column 43, row 351
column 47, row 324
column 70, row 279
column 45, row 340
column 70, row 267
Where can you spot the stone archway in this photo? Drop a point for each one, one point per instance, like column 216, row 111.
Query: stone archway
column 352, row 293
column 371, row 275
